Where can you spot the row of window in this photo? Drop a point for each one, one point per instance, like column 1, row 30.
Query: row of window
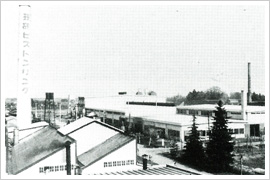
column 203, row 113
column 237, row 131
column 191, row 112
column 118, row 163
column 206, row 132
column 108, row 112
column 54, row 168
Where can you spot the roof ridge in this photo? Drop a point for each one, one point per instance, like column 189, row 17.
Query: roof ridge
column 119, row 145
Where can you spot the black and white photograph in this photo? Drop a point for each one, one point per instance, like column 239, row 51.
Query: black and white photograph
column 134, row 89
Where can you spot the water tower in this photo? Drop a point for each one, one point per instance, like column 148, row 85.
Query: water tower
column 81, row 106
column 49, row 109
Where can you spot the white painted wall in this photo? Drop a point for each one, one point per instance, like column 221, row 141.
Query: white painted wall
column 90, row 136
column 56, row 159
column 127, row 152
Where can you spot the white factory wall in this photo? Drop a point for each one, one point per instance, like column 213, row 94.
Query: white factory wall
column 90, row 136
column 255, row 118
column 57, row 159
column 125, row 153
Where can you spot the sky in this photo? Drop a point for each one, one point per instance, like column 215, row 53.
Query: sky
column 99, row 50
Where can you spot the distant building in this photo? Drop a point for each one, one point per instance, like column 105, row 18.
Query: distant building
column 173, row 122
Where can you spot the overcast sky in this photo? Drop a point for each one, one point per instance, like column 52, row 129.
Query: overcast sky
column 87, row 50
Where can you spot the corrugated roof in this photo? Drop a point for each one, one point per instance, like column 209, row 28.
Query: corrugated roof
column 105, row 148
column 160, row 170
column 36, row 147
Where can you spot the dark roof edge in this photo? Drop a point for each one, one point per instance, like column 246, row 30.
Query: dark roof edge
column 31, row 134
column 131, row 139
column 34, row 127
column 101, row 123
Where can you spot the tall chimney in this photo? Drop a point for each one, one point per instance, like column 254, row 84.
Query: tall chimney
column 249, row 84
column 68, row 157
column 243, row 104
column 23, row 90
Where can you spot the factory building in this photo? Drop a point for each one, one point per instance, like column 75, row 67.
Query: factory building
column 173, row 122
column 44, row 152
column 85, row 146
column 101, row 147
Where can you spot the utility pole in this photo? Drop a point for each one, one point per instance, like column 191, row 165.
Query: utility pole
column 241, row 162
column 60, row 110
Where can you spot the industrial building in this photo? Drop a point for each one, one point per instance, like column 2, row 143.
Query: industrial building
column 173, row 122
column 87, row 145
column 101, row 147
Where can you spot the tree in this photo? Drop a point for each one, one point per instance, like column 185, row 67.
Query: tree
column 219, row 149
column 174, row 149
column 235, row 95
column 215, row 93
column 177, row 100
column 194, row 153
column 257, row 97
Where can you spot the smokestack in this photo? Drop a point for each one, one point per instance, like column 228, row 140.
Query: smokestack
column 243, row 104
column 249, row 84
column 68, row 158
column 144, row 157
column 24, row 118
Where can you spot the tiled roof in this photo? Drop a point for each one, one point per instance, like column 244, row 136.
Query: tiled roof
column 37, row 147
column 164, row 170
column 105, row 148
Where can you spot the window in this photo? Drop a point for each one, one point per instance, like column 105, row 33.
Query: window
column 231, row 131
column 61, row 168
column 235, row 131
column 110, row 164
column 118, row 163
column 192, row 112
column 105, row 164
column 51, row 168
column 41, row 170
column 127, row 162
column 236, row 113
column 114, row 163
column 123, row 163
column 56, row 168
column 242, row 131
column 65, row 167
column 202, row 133
column 72, row 166
column 132, row 162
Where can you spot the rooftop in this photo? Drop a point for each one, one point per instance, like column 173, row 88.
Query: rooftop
column 159, row 170
column 105, row 148
column 80, row 123
column 34, row 148
column 233, row 108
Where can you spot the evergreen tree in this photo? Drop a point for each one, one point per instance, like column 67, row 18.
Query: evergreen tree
column 194, row 153
column 219, row 149
column 174, row 150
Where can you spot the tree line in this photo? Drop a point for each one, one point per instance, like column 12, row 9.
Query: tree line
column 210, row 96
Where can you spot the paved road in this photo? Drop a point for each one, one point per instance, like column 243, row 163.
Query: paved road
column 159, row 159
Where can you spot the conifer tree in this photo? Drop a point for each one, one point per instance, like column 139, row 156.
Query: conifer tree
column 194, row 153
column 219, row 149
